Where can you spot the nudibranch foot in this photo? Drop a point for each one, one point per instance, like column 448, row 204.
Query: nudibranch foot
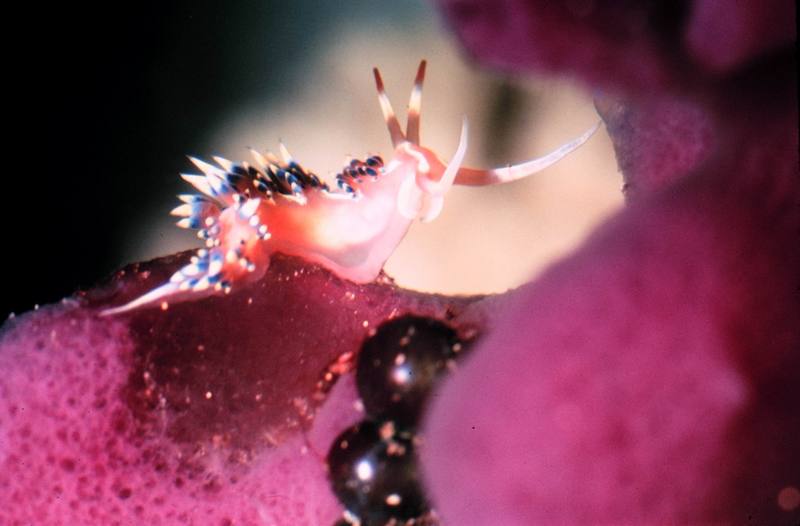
column 244, row 213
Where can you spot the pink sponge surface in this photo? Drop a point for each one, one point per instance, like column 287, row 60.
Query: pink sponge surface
column 73, row 453
column 214, row 412
column 652, row 376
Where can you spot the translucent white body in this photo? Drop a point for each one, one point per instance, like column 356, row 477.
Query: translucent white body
column 351, row 231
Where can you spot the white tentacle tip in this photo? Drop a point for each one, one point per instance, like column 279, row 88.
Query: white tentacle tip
column 432, row 209
column 285, row 155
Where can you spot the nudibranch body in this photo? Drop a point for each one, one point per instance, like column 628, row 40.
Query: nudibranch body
column 245, row 212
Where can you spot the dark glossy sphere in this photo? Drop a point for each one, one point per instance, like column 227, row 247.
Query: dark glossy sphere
column 398, row 367
column 375, row 479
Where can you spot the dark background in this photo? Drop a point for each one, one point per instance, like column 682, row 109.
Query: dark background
column 105, row 101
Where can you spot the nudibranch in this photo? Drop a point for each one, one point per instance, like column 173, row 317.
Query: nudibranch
column 245, row 212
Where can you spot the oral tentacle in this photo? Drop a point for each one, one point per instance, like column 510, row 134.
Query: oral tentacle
column 476, row 177
column 431, row 209
column 440, row 187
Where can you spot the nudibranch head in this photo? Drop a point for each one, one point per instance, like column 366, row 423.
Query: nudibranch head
column 245, row 212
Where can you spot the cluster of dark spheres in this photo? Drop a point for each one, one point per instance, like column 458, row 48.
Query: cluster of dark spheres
column 372, row 465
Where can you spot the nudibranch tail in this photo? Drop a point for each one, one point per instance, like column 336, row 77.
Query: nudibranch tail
column 227, row 213
column 234, row 254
